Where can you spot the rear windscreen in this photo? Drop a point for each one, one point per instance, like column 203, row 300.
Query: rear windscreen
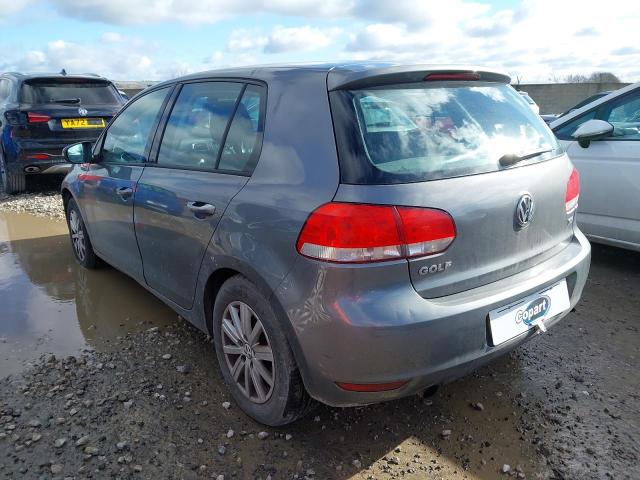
column 417, row 132
column 69, row 92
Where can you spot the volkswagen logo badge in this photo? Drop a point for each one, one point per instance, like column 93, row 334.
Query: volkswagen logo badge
column 82, row 112
column 524, row 211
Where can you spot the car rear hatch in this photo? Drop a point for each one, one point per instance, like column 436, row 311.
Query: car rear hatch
column 65, row 109
column 464, row 143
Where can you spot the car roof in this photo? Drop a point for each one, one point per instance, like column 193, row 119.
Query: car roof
column 32, row 76
column 339, row 75
column 596, row 103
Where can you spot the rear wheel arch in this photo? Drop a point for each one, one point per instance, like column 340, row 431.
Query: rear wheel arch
column 66, row 196
column 232, row 268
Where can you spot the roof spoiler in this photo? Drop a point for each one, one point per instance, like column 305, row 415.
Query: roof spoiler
column 399, row 75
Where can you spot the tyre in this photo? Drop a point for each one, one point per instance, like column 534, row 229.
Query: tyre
column 255, row 357
column 12, row 183
column 80, row 241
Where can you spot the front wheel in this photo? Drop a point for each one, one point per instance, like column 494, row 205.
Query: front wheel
column 254, row 355
column 82, row 249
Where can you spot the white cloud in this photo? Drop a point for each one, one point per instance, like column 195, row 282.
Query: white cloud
column 299, row 39
column 121, row 12
column 9, row 7
column 242, row 40
column 111, row 37
column 281, row 40
column 118, row 61
column 535, row 41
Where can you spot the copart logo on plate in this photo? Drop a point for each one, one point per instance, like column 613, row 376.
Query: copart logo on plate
column 535, row 310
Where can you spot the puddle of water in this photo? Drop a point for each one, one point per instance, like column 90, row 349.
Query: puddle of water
column 49, row 304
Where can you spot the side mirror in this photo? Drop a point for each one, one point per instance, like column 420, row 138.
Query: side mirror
column 78, row 153
column 592, row 130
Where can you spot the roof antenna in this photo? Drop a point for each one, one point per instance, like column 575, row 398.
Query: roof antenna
column 63, row 72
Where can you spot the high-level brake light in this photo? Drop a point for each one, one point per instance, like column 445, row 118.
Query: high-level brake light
column 444, row 76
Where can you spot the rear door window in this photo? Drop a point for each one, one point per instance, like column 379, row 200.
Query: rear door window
column 418, row 132
column 214, row 126
column 196, row 127
column 69, row 91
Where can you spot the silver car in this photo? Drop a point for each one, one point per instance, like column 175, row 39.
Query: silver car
column 603, row 140
column 346, row 233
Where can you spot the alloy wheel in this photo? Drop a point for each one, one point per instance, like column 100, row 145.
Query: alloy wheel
column 248, row 352
column 77, row 235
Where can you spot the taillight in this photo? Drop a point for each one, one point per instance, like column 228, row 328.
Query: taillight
column 426, row 231
column 358, row 233
column 573, row 192
column 37, row 117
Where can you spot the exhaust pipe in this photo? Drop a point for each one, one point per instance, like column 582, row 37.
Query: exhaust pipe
column 430, row 391
column 32, row 169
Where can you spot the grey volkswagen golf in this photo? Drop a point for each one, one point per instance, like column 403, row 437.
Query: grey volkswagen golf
column 346, row 233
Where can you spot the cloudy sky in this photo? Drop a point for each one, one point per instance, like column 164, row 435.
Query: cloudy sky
column 535, row 40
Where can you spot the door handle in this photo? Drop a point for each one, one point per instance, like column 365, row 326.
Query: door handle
column 124, row 192
column 200, row 208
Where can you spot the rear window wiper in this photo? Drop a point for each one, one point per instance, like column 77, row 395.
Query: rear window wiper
column 65, row 100
column 509, row 159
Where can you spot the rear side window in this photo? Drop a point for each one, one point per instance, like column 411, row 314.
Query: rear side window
column 69, row 91
column 241, row 148
column 418, row 132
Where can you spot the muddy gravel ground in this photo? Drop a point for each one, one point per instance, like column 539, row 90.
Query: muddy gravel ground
column 42, row 198
column 147, row 401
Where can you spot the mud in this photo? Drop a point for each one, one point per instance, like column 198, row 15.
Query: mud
column 564, row 405
column 49, row 304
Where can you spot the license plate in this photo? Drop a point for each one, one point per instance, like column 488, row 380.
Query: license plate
column 512, row 320
column 82, row 123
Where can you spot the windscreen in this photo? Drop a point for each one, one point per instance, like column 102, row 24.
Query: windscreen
column 68, row 91
column 419, row 132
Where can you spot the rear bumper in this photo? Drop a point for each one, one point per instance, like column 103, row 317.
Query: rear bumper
column 34, row 157
column 355, row 326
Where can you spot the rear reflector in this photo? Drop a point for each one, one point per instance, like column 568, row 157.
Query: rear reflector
column 573, row 192
column 432, row 77
column 37, row 117
column 359, row 233
column 370, row 387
